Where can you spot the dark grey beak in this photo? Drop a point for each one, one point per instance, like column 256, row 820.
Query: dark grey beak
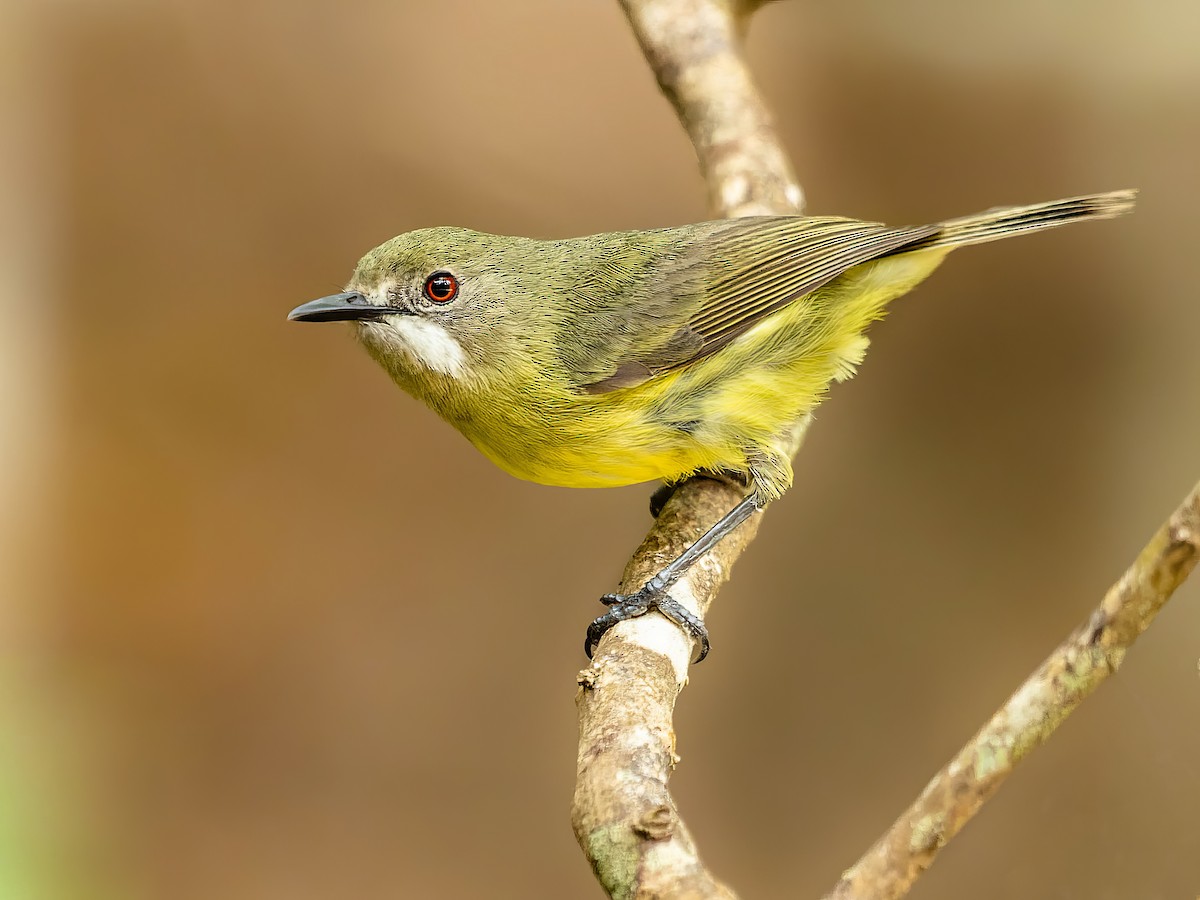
column 342, row 307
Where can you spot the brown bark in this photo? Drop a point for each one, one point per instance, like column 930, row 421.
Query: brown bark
column 624, row 817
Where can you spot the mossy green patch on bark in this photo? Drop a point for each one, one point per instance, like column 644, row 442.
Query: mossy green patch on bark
column 614, row 854
column 990, row 757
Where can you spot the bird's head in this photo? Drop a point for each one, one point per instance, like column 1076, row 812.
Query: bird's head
column 436, row 306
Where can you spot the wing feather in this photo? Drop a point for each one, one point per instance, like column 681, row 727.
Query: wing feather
column 719, row 280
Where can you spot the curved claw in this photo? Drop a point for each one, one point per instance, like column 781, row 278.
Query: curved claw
column 595, row 631
column 659, row 498
column 620, row 608
column 688, row 621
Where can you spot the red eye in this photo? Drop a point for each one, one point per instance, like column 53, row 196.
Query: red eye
column 441, row 287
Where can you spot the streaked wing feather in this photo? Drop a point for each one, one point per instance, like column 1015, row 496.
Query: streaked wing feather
column 797, row 262
column 745, row 270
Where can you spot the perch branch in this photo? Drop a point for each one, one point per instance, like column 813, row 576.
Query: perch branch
column 1076, row 667
column 624, row 817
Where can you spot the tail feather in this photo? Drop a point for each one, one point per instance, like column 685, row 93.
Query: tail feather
column 1004, row 222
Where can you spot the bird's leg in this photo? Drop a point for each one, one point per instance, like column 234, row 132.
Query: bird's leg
column 768, row 473
column 653, row 594
column 666, row 491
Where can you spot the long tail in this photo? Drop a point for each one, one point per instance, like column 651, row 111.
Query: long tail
column 1004, row 222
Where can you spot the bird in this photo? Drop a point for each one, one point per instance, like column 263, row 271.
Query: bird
column 634, row 356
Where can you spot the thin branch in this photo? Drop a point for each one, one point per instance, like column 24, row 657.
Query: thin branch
column 624, row 817
column 694, row 48
column 1089, row 655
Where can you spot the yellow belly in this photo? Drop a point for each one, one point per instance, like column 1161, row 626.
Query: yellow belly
column 595, row 447
column 713, row 415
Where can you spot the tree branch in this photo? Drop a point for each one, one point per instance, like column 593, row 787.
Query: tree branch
column 694, row 48
column 624, row 817
column 1077, row 666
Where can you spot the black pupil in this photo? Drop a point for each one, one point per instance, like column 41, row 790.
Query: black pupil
column 441, row 287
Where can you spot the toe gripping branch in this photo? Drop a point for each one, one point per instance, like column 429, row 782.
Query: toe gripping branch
column 653, row 594
column 630, row 606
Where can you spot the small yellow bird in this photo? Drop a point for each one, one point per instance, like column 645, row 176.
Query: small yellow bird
column 632, row 356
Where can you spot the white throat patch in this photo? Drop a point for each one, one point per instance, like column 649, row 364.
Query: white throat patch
column 430, row 345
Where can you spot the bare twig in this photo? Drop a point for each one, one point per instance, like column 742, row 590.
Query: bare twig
column 693, row 46
column 1089, row 655
column 624, row 816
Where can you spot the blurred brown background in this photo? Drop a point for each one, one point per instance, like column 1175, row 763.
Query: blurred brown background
column 271, row 630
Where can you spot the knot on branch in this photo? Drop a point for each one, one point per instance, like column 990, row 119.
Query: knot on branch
column 657, row 824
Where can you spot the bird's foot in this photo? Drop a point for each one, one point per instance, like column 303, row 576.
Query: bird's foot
column 665, row 492
column 630, row 606
column 659, row 498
